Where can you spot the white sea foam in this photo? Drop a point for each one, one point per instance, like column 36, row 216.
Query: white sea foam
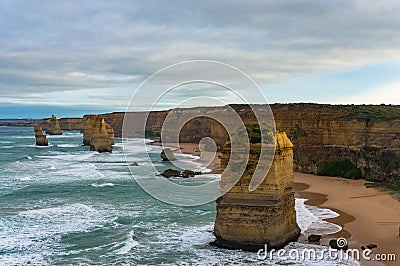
column 102, row 185
column 68, row 145
column 128, row 244
column 25, row 178
column 311, row 218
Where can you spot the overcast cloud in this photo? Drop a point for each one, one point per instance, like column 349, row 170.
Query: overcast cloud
column 105, row 49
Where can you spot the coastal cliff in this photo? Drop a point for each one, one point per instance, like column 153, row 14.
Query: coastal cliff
column 64, row 123
column 249, row 219
column 97, row 133
column 362, row 139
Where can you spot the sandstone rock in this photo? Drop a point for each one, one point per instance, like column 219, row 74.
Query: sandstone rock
column 41, row 139
column 167, row 155
column 250, row 219
column 100, row 144
column 171, row 173
column 53, row 128
column 97, row 133
column 314, row 238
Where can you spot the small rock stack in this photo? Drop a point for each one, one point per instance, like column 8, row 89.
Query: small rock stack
column 41, row 139
column 97, row 133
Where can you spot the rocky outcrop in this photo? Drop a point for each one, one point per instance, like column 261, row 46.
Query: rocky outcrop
column 97, row 133
column 53, row 128
column 41, row 139
column 177, row 173
column 250, row 219
column 167, row 155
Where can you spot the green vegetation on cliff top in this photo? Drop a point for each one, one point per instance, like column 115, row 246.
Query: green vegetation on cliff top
column 362, row 112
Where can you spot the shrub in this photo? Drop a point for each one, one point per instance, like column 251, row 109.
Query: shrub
column 341, row 168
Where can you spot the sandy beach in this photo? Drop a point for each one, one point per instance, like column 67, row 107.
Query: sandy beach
column 367, row 215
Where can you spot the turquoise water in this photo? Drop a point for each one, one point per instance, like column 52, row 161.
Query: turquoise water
column 65, row 205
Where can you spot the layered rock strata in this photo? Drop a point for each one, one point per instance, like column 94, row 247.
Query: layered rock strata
column 41, row 139
column 367, row 136
column 53, row 128
column 250, row 219
column 97, row 133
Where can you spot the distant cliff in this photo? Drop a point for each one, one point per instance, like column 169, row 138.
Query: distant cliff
column 65, row 123
column 364, row 140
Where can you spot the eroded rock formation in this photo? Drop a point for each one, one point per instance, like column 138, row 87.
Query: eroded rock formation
column 97, row 133
column 41, row 139
column 250, row 219
column 53, row 128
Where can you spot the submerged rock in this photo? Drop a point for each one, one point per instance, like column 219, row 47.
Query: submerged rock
column 177, row 173
column 188, row 173
column 171, row 173
column 41, row 139
column 167, row 155
column 53, row 128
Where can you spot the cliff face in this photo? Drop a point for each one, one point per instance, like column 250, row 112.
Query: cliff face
column 249, row 219
column 97, row 133
column 368, row 137
column 65, row 123
column 323, row 135
column 71, row 123
column 41, row 139
column 53, row 128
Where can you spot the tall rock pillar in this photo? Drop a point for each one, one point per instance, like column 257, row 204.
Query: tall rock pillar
column 97, row 133
column 250, row 219
column 41, row 139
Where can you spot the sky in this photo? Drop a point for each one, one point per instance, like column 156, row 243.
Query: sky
column 76, row 57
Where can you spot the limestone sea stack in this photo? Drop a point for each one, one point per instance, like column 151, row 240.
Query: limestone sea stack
column 53, row 128
column 250, row 219
column 97, row 133
column 41, row 139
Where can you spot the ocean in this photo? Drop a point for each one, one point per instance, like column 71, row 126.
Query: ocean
column 65, row 205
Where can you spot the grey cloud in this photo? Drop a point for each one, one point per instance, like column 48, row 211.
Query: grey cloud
column 120, row 43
